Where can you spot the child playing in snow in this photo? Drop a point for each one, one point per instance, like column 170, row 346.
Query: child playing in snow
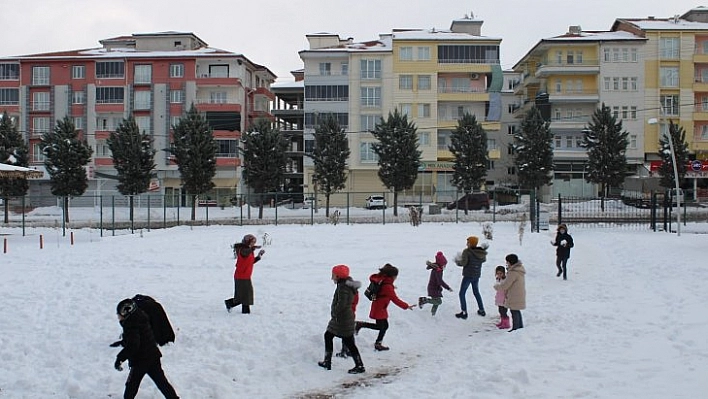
column 435, row 283
column 500, row 299
column 379, row 307
column 514, row 286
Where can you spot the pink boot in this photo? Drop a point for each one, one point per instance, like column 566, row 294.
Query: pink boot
column 505, row 323
column 500, row 323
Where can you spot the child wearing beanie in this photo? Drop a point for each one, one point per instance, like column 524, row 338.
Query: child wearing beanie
column 435, row 283
column 471, row 260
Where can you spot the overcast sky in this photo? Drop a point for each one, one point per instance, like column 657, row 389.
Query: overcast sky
column 272, row 32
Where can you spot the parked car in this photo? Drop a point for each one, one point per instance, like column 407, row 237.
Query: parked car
column 375, row 202
column 308, row 202
column 471, row 201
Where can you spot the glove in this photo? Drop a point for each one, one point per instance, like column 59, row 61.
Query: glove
column 553, row 242
column 116, row 344
column 429, row 265
column 449, row 289
column 261, row 252
column 118, row 365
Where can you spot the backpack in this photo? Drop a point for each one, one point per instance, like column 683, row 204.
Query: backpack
column 160, row 324
column 373, row 290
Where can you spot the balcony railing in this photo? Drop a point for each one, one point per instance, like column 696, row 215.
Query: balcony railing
column 566, row 63
column 452, row 90
column 216, row 101
column 467, row 61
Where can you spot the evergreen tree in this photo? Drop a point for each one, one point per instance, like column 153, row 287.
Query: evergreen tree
column 606, row 145
column 666, row 170
column 330, row 157
column 66, row 155
column 264, row 159
column 133, row 158
column 397, row 150
column 469, row 148
column 194, row 149
column 13, row 151
column 533, row 146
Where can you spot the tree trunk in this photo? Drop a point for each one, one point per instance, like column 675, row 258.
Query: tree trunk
column 66, row 209
column 6, row 202
column 327, row 205
column 395, row 203
column 132, row 215
column 194, row 207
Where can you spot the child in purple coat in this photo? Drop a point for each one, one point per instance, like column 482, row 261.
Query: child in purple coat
column 435, row 283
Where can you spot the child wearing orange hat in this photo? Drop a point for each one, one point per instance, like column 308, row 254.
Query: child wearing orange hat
column 471, row 261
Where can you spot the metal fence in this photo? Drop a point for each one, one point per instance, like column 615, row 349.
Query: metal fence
column 111, row 214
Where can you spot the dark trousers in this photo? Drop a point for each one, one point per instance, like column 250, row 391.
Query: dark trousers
column 562, row 265
column 235, row 301
column 347, row 342
column 154, row 371
column 516, row 320
column 502, row 311
column 466, row 282
column 381, row 325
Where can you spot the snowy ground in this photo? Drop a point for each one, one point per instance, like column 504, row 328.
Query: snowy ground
column 629, row 323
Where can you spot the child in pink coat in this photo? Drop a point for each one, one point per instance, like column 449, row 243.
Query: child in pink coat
column 435, row 283
column 500, row 298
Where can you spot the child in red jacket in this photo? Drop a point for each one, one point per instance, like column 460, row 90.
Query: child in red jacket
column 379, row 307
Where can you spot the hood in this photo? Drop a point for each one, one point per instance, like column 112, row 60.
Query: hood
column 380, row 278
column 352, row 284
column 517, row 268
column 479, row 253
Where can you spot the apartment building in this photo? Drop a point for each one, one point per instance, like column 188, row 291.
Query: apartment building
column 289, row 116
column 432, row 76
column 675, row 83
column 567, row 78
column 154, row 76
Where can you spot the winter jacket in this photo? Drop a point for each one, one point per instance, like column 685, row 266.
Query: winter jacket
column 245, row 259
column 436, row 283
column 387, row 294
column 500, row 297
column 139, row 346
column 514, row 285
column 563, row 251
column 471, row 261
column 341, row 323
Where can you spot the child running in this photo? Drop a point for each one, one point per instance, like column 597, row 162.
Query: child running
column 435, row 283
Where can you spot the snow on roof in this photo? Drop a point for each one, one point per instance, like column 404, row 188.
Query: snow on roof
column 667, row 24
column 101, row 52
column 288, row 85
column 435, row 34
column 596, row 36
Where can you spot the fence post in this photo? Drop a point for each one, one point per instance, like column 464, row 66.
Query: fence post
column 560, row 209
column 100, row 214
column 23, row 216
column 113, row 214
column 164, row 211
column 148, row 218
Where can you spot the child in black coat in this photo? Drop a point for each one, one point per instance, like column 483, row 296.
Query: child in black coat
column 563, row 243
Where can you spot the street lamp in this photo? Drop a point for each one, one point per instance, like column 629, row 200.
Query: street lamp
column 654, row 121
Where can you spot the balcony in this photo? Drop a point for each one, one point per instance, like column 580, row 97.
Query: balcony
column 576, row 67
column 216, row 79
column 265, row 92
column 463, row 94
column 700, row 112
column 576, row 96
column 217, row 104
column 700, row 83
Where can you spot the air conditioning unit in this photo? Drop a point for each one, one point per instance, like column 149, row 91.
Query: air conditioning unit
column 474, row 76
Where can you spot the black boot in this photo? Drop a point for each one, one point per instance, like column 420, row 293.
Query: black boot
column 344, row 353
column 229, row 304
column 327, row 362
column 358, row 365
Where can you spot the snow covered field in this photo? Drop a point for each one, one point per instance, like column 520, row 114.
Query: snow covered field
column 629, row 323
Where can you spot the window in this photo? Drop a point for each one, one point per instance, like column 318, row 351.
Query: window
column 405, row 54
column 218, row 97
column 176, row 70
column 40, row 126
column 615, row 54
column 625, row 112
column 633, row 112
column 109, row 95
column 143, row 74
column 559, row 57
column 633, row 55
column 423, row 110
column 578, row 141
column 109, row 123
column 9, row 71
column 405, row 82
column 607, row 83
column 325, row 68
column 110, row 69
column 669, row 104
column 669, row 47
column 366, row 153
column 142, row 99
column 578, row 86
column 557, row 113
column 491, row 144
column 569, row 58
column 669, row 76
column 176, row 96
column 424, row 82
column 559, row 86
column 616, row 111
column 424, row 53
column 633, row 85
column 40, row 75
column 78, row 122
column 371, row 96
column 368, row 122
column 406, row 109
column 226, row 148
column 327, row 93
column 9, row 96
column 102, row 149
column 143, row 123
column 174, row 120
column 345, row 68
column 625, row 54
column 40, row 101
column 371, row 69
column 37, row 153
column 511, row 170
column 218, row 71
column 78, row 97
column 625, row 84
column 633, row 141
column 606, row 54
column 578, row 57
column 424, row 138
column 557, row 141
column 569, row 141
column 615, row 83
